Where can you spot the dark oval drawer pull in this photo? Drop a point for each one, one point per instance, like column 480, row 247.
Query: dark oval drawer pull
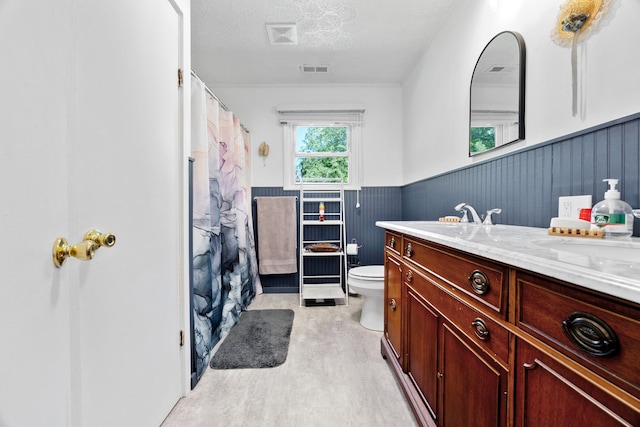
column 392, row 242
column 591, row 334
column 480, row 328
column 409, row 276
column 409, row 250
column 479, row 282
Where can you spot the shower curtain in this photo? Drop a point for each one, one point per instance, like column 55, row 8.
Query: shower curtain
column 225, row 267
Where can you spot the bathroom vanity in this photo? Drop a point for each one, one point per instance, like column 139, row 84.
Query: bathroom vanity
column 504, row 325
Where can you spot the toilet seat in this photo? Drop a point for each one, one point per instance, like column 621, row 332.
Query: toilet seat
column 368, row 272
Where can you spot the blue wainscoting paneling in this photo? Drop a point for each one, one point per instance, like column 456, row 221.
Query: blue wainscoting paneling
column 376, row 203
column 526, row 184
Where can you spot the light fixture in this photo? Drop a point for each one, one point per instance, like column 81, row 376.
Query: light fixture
column 574, row 24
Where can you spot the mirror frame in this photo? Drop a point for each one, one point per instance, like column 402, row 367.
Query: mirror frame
column 521, row 90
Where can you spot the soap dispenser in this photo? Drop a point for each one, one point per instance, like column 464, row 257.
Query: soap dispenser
column 613, row 215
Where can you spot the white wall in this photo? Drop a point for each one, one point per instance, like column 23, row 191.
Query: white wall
column 436, row 94
column 255, row 106
column 421, row 129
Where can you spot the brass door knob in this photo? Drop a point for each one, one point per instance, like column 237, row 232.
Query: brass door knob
column 61, row 251
column 102, row 239
column 91, row 242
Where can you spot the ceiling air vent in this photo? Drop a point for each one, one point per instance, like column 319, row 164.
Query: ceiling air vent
column 282, row 34
column 314, row 69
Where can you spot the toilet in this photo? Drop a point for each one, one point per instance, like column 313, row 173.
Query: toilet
column 368, row 281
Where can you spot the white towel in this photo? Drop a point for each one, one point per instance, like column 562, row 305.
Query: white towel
column 277, row 235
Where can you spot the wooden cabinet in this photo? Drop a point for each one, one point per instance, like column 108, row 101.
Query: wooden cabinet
column 474, row 387
column 480, row 282
column 596, row 371
column 550, row 393
column 422, row 349
column 593, row 330
column 393, row 304
column 456, row 356
column 478, row 343
column 460, row 383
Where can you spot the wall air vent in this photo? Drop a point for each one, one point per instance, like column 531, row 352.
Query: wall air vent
column 314, row 69
column 282, row 34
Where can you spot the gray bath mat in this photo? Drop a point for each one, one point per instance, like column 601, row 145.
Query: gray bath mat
column 260, row 339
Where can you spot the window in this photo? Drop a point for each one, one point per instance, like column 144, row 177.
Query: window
column 482, row 139
column 322, row 152
column 492, row 129
column 322, row 144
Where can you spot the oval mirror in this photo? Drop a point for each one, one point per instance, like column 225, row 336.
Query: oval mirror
column 497, row 94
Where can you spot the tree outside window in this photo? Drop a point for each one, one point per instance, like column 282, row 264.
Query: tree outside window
column 482, row 139
column 322, row 152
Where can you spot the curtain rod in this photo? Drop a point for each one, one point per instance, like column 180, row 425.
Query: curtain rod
column 210, row 92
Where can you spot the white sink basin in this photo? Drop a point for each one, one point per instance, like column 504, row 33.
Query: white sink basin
column 599, row 250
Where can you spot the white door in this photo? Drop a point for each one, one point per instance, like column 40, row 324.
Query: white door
column 34, row 133
column 89, row 138
column 125, row 180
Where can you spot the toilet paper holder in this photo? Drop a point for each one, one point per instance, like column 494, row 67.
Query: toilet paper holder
column 352, row 248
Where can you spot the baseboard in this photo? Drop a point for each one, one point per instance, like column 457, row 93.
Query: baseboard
column 280, row 290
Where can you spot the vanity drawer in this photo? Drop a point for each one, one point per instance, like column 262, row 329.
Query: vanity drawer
column 480, row 282
column 599, row 332
column 393, row 242
column 481, row 329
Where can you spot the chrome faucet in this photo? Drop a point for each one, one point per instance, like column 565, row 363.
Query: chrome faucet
column 487, row 219
column 463, row 207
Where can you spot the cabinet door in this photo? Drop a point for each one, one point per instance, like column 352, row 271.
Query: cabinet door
column 422, row 349
column 473, row 389
column 584, row 326
column 393, row 304
column 548, row 393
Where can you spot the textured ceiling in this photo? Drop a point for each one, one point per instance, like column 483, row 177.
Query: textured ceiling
column 362, row 41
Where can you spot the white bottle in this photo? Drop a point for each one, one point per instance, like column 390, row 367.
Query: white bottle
column 612, row 214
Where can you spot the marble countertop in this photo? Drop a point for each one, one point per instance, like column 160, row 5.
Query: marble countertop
column 606, row 265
